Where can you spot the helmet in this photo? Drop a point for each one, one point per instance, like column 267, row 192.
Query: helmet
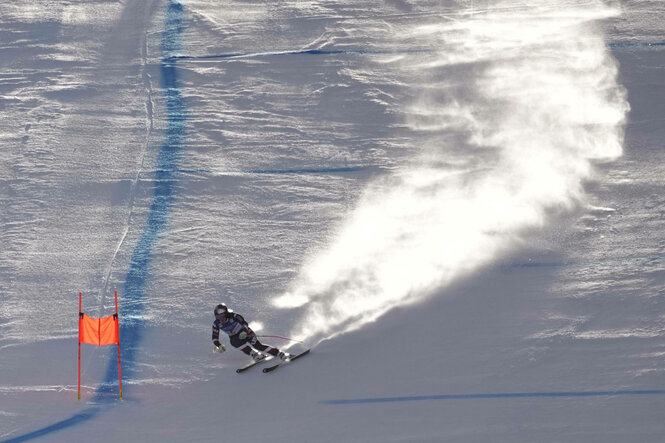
column 221, row 309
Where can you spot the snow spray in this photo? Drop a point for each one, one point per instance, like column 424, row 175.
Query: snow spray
column 512, row 104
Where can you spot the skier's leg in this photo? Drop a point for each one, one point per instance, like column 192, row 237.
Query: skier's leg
column 271, row 350
column 247, row 350
column 242, row 344
column 246, row 344
column 256, row 344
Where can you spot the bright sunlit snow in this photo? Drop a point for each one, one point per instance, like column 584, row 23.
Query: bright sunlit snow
column 456, row 204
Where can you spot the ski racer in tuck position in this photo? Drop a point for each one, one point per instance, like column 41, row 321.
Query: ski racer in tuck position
column 241, row 335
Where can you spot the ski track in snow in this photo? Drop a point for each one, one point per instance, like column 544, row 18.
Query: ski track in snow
column 506, row 395
column 166, row 180
column 132, row 192
column 165, row 186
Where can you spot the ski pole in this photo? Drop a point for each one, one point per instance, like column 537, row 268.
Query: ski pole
column 283, row 338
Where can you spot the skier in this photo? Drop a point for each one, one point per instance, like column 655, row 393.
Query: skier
column 240, row 334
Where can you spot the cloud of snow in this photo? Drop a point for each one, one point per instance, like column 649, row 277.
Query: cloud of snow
column 514, row 104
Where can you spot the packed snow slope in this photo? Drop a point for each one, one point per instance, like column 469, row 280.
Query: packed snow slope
column 457, row 204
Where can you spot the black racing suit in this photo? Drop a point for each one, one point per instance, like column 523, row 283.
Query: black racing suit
column 240, row 334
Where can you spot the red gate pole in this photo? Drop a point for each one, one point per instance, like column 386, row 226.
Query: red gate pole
column 117, row 331
column 80, row 296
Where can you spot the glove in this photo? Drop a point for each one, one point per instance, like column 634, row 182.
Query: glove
column 216, row 343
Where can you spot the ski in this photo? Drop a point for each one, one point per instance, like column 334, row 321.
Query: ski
column 272, row 368
column 251, row 365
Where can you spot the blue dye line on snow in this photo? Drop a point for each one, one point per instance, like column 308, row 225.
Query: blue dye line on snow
column 309, row 171
column 635, row 45
column 133, row 299
column 278, row 171
column 572, row 394
column 83, row 416
column 166, row 182
column 644, row 260
column 295, row 52
column 237, row 55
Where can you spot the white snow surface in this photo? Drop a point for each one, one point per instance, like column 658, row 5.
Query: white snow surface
column 457, row 204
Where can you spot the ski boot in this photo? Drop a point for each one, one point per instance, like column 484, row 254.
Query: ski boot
column 257, row 356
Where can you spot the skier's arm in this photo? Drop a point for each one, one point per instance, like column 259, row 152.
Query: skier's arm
column 215, row 335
